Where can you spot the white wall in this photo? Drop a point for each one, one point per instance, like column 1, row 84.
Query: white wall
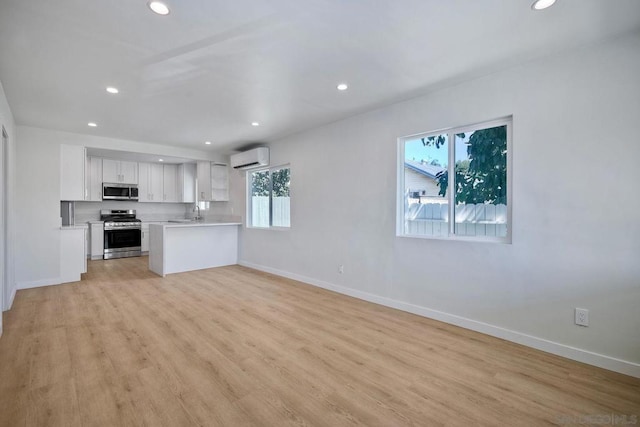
column 575, row 135
column 38, row 195
column 6, row 120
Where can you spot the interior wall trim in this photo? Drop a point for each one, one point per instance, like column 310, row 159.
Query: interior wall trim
column 11, row 298
column 38, row 283
column 573, row 353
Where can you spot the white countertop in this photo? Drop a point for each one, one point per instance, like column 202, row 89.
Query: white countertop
column 194, row 224
column 74, row 227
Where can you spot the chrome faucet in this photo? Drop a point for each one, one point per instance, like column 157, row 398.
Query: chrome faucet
column 198, row 215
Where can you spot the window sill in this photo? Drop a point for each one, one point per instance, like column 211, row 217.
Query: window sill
column 250, row 227
column 484, row 239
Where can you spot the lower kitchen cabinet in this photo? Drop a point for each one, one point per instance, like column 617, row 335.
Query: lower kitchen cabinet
column 97, row 240
column 145, row 237
column 73, row 260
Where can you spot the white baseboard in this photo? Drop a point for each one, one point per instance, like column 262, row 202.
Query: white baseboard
column 39, row 283
column 11, row 298
column 573, row 353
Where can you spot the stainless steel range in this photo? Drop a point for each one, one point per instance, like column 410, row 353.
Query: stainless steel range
column 122, row 233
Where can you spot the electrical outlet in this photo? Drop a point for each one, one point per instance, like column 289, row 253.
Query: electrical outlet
column 341, row 269
column 582, row 317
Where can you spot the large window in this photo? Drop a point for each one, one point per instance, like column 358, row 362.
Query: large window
column 269, row 198
column 462, row 173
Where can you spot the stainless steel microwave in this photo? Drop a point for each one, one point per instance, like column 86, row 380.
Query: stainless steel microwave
column 119, row 192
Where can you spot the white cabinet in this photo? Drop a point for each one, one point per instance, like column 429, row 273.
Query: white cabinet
column 187, row 182
column 204, row 181
column 129, row 171
column 73, row 259
column 219, row 182
column 150, row 186
column 96, row 240
column 111, row 171
column 161, row 183
column 174, row 248
column 72, row 164
column 144, row 182
column 145, row 237
column 213, row 182
column 170, row 182
column 93, row 177
column 119, row 171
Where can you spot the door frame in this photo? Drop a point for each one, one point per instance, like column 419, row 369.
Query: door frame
column 4, row 230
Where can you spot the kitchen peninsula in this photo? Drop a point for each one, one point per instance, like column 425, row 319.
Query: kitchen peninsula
column 179, row 247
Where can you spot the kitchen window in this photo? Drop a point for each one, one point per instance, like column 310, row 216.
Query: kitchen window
column 269, row 198
column 462, row 173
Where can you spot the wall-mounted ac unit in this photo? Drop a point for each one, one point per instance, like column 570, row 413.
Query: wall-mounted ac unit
column 251, row 159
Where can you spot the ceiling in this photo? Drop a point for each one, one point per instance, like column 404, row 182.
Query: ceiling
column 211, row 67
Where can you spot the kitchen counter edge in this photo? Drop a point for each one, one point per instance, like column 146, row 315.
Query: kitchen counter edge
column 194, row 224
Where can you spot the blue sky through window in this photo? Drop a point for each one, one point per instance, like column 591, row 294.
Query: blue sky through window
column 415, row 150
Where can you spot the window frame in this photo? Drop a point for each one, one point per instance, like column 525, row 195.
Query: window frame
column 452, row 131
column 249, row 204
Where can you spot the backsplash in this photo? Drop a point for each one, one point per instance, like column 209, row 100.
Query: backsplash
column 90, row 211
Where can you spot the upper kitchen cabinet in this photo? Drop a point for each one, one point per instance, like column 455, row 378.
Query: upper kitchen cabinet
column 119, row 171
column 213, row 182
column 204, row 181
column 187, row 182
column 150, row 185
column 219, row 182
column 72, row 164
column 170, row 182
column 93, row 176
column 167, row 183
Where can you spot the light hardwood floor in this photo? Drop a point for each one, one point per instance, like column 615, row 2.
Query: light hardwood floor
column 232, row 346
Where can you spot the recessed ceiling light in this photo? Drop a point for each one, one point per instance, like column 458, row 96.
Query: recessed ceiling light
column 542, row 4
column 208, row 142
column 92, row 124
column 255, row 124
column 343, row 86
column 112, row 89
column 159, row 7
column 161, row 160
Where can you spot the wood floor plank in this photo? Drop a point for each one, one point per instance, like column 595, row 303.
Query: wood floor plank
column 54, row 405
column 232, row 346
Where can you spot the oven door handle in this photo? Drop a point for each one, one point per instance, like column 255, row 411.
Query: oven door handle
column 122, row 228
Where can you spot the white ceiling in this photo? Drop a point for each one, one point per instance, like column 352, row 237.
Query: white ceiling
column 211, row 67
